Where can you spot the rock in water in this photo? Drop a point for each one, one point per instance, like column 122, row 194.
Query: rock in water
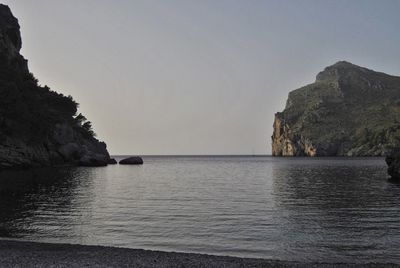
column 38, row 127
column 112, row 161
column 348, row 111
column 393, row 162
column 134, row 160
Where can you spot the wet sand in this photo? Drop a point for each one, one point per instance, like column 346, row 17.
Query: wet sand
column 30, row 254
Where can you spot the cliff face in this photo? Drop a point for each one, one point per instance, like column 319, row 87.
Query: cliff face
column 38, row 127
column 348, row 111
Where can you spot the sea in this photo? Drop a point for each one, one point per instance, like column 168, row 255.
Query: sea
column 297, row 209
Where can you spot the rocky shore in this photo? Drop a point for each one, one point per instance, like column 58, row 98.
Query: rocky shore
column 30, row 254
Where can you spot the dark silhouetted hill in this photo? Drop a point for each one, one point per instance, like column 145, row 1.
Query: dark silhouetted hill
column 38, row 126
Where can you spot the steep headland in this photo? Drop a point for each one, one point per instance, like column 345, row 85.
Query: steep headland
column 38, row 127
column 348, row 111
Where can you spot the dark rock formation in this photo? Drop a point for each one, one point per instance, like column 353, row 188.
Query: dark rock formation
column 348, row 111
column 393, row 162
column 134, row 160
column 93, row 161
column 112, row 161
column 38, row 127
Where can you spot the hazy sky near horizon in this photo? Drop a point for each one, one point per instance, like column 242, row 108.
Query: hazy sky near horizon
column 197, row 77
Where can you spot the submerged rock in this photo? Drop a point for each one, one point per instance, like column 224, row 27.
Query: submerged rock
column 38, row 127
column 134, row 160
column 348, row 111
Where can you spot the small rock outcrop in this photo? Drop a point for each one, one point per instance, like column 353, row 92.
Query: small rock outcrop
column 393, row 162
column 348, row 111
column 112, row 161
column 134, row 160
column 38, row 126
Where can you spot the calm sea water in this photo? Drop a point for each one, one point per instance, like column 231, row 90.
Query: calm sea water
column 304, row 209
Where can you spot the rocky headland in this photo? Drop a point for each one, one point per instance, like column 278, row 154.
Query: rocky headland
column 38, row 126
column 348, row 111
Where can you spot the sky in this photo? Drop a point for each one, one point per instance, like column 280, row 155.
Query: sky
column 197, row 77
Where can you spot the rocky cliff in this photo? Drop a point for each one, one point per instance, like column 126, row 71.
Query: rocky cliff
column 38, row 127
column 348, row 111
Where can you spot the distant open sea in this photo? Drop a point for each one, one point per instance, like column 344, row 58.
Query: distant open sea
column 302, row 209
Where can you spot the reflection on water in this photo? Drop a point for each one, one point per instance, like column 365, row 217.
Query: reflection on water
column 42, row 197
column 345, row 210
column 328, row 209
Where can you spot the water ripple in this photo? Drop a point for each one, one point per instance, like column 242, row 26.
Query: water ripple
column 328, row 209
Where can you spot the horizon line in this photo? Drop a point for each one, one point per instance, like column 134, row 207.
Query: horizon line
column 191, row 155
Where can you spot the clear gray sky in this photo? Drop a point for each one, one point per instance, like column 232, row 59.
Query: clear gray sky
column 197, row 77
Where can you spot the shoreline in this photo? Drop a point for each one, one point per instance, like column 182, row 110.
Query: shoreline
column 27, row 254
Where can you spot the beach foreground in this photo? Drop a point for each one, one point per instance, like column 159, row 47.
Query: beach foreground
column 31, row 254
